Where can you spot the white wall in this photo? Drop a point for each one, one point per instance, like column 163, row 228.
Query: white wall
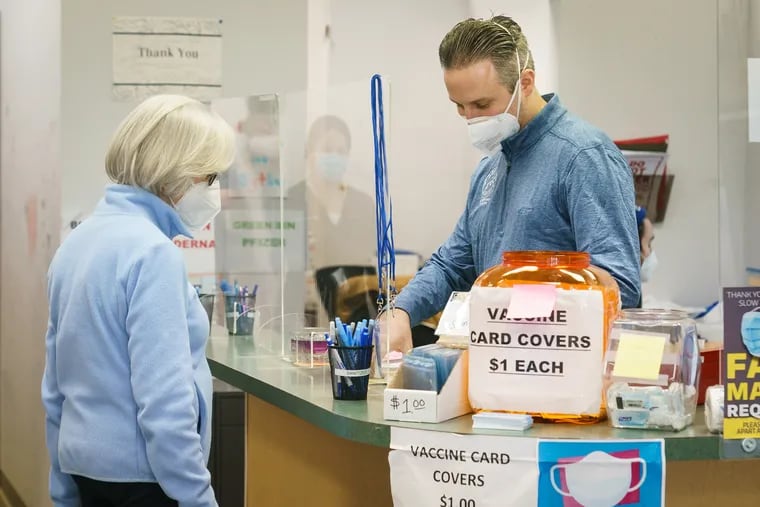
column 422, row 118
column 29, row 224
column 264, row 51
column 734, row 34
column 429, row 150
column 430, row 159
column 752, row 203
column 645, row 69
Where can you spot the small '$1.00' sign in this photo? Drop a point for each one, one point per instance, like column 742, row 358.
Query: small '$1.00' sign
column 407, row 404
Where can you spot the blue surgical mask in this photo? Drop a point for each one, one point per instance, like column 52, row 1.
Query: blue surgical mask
column 332, row 166
column 751, row 331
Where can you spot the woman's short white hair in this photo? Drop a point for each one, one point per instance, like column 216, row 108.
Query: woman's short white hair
column 165, row 142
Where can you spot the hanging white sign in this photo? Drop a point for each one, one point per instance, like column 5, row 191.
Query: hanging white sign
column 438, row 469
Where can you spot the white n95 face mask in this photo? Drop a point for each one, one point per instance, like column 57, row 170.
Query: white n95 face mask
column 599, row 479
column 199, row 205
column 487, row 132
column 648, row 267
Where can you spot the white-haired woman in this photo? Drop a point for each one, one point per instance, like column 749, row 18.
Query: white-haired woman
column 127, row 389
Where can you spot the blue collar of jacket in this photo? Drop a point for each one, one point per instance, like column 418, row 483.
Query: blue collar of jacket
column 129, row 200
column 535, row 129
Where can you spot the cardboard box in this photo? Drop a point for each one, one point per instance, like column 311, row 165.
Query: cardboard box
column 428, row 406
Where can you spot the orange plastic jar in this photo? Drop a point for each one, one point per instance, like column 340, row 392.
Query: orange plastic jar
column 539, row 325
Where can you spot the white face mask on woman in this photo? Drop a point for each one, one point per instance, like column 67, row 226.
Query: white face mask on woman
column 487, row 132
column 200, row 204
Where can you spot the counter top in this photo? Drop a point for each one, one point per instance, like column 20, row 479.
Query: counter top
column 259, row 369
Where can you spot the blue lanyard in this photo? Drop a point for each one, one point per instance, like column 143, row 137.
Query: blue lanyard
column 386, row 253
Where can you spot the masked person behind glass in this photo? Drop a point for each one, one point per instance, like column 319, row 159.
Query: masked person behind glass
column 127, row 389
column 646, row 237
column 339, row 217
column 338, row 212
column 549, row 180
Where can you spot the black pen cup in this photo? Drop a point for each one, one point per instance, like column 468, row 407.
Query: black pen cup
column 239, row 314
column 207, row 301
column 349, row 371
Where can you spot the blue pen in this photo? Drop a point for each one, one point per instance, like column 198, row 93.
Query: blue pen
column 358, row 334
column 358, row 338
column 345, row 338
column 341, row 333
column 354, row 334
column 245, row 291
column 706, row 310
column 255, row 289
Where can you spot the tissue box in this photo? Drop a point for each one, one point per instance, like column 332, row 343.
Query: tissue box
column 401, row 404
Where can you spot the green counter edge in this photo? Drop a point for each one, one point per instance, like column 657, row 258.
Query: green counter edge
column 676, row 449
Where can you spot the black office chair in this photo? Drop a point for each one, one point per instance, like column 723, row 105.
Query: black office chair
column 363, row 307
column 328, row 280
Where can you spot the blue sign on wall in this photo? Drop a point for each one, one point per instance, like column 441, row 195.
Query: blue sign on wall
column 606, row 473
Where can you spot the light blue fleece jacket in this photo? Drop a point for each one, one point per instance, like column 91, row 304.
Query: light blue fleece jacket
column 127, row 389
column 557, row 184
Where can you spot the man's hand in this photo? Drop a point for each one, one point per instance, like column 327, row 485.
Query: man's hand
column 396, row 322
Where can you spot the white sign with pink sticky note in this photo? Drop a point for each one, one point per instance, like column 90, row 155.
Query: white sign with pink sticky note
column 536, row 348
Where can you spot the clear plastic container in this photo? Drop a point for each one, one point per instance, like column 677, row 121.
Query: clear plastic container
column 308, row 347
column 590, row 300
column 651, row 370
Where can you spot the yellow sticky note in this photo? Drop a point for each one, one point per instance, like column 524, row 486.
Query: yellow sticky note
column 639, row 356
